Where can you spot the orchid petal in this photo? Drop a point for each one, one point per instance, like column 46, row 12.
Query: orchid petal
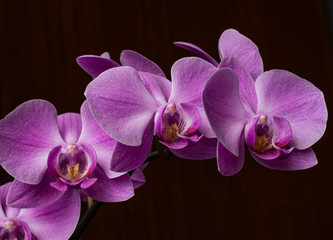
column 159, row 121
column 224, row 109
column 192, row 138
column 105, row 55
column 198, row 51
column 178, row 143
column 102, row 143
column 110, row 190
column 3, row 194
column 27, row 135
column 22, row 195
column 61, row 186
column 189, row 119
column 282, row 131
column 205, row 127
column 91, row 156
column 52, row 160
column 234, row 44
column 95, row 65
column 158, row 87
column 126, row 158
column 47, row 222
column 138, row 178
column 189, row 76
column 228, row 164
column 87, row 183
column 139, row 63
column 121, row 104
column 282, row 93
column 267, row 155
column 296, row 160
column 284, row 151
column 250, row 131
column 70, row 126
column 27, row 232
column 83, row 196
column 205, row 148
column 247, row 90
column 6, row 211
column 274, row 153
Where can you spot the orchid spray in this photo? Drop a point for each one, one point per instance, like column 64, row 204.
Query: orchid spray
column 209, row 109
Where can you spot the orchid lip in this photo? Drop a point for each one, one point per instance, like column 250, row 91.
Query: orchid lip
column 271, row 137
column 73, row 163
column 72, row 183
column 178, row 123
column 12, row 230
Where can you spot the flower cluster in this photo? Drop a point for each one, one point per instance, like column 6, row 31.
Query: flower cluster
column 209, row 109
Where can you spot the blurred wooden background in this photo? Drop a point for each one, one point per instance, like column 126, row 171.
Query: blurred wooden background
column 182, row 199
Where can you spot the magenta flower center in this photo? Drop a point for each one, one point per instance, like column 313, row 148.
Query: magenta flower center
column 272, row 136
column 73, row 165
column 172, row 125
column 170, row 132
column 263, row 136
column 12, row 230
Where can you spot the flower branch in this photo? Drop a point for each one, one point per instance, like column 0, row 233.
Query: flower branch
column 209, row 109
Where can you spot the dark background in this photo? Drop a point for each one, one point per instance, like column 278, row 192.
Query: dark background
column 182, row 199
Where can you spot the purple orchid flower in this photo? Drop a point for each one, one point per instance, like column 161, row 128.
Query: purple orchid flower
column 130, row 105
column 236, row 52
column 45, row 222
column 280, row 116
column 49, row 155
column 94, row 66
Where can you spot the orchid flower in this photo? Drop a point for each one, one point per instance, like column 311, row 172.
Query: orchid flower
column 55, row 221
column 94, row 66
column 49, row 155
column 280, row 116
column 236, row 52
column 130, row 104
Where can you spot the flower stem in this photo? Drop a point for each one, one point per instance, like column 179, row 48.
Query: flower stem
column 90, row 202
column 90, row 213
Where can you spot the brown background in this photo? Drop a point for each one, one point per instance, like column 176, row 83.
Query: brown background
column 182, row 199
